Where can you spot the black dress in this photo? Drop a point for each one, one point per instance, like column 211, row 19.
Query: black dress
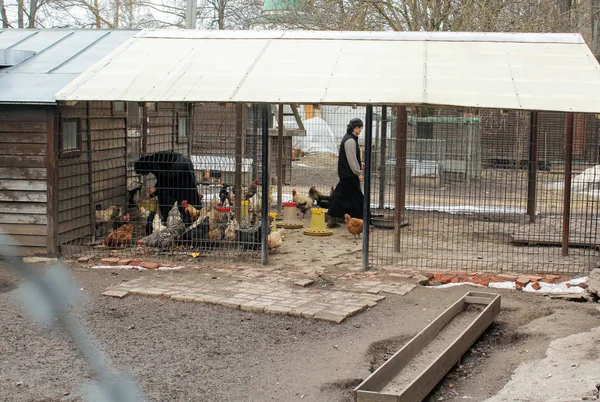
column 175, row 179
column 347, row 198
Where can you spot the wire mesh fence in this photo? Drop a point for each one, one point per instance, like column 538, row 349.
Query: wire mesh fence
column 474, row 194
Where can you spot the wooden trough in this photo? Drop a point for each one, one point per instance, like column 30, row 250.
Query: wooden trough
column 412, row 372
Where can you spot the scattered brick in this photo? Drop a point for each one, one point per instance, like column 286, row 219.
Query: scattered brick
column 445, row 279
column 84, row 259
column 534, row 278
column 583, row 285
column 523, row 281
column 110, row 261
column 455, row 280
column 568, row 285
column 401, row 276
column 136, row 262
column 518, row 286
column 116, row 293
column 536, row 286
column 422, row 279
column 304, row 282
column 149, row 265
column 125, row 261
column 507, row 277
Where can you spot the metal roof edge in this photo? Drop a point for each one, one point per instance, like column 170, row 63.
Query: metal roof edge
column 65, row 92
column 516, row 37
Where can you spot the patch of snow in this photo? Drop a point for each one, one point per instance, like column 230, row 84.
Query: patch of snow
column 451, row 285
column 502, row 285
column 118, row 267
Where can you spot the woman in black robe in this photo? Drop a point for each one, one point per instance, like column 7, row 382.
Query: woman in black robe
column 347, row 198
column 175, row 179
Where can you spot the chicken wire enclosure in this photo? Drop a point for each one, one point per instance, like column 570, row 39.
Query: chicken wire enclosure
column 501, row 209
column 158, row 178
column 476, row 195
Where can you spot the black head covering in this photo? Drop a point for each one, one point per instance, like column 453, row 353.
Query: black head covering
column 356, row 122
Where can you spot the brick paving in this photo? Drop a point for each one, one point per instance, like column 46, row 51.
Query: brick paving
column 264, row 291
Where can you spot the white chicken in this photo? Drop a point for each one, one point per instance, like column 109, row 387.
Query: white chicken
column 275, row 239
column 231, row 231
column 157, row 225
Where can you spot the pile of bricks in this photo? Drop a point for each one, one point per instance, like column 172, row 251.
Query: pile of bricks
column 484, row 279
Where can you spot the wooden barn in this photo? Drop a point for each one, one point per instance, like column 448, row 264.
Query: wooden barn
column 36, row 161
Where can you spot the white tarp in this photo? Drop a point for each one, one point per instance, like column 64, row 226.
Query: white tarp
column 319, row 137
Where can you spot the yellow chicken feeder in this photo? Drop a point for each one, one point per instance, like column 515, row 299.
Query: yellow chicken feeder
column 273, row 215
column 317, row 223
column 290, row 220
column 244, row 211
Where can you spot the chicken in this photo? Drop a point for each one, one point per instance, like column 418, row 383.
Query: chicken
column 251, row 190
column 197, row 233
column 275, row 239
column 166, row 237
column 303, row 203
column 147, row 206
column 192, row 212
column 321, row 199
column 354, row 225
column 120, row 220
column 231, row 231
column 120, row 237
column 157, row 225
column 106, row 215
column 224, row 194
column 174, row 221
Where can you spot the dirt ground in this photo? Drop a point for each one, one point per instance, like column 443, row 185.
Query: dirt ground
column 196, row 352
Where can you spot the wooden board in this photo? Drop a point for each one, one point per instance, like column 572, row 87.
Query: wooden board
column 22, row 208
column 23, row 196
column 23, row 219
column 29, row 185
column 22, row 173
column 421, row 386
column 29, row 161
column 22, row 229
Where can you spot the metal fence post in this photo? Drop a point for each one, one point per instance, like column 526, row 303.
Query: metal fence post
column 265, row 184
column 367, row 183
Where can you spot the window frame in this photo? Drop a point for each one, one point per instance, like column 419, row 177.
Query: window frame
column 119, row 113
column 178, row 138
column 69, row 153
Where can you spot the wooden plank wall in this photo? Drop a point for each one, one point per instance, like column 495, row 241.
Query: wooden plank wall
column 23, row 185
column 108, row 146
column 214, row 129
column 161, row 127
column 73, row 182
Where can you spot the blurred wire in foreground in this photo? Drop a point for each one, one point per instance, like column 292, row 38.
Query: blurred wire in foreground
column 47, row 297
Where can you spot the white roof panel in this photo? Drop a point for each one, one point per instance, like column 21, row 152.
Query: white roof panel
column 513, row 71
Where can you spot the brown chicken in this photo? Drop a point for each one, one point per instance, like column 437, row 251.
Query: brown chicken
column 252, row 190
column 120, row 237
column 354, row 225
column 192, row 212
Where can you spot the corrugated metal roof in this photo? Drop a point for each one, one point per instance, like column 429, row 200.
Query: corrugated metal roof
column 513, row 71
column 60, row 56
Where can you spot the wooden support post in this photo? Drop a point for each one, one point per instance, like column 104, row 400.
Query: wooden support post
column 266, row 115
column 532, row 167
column 52, row 183
column 280, row 129
column 400, row 196
column 367, row 185
column 382, row 157
column 90, row 167
column 567, row 189
column 239, row 136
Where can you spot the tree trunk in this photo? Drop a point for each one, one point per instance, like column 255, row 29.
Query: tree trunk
column 221, row 11
column 116, row 15
column 97, row 14
column 5, row 22
column 33, row 9
column 595, row 28
column 20, row 13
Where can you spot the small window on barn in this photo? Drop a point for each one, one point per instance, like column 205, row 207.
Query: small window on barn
column 69, row 138
column 182, row 128
column 119, row 109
